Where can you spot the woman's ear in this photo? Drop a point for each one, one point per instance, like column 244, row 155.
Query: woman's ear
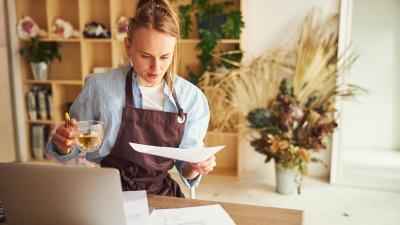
column 127, row 44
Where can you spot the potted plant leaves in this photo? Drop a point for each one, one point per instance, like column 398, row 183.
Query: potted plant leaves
column 39, row 54
column 216, row 20
column 185, row 20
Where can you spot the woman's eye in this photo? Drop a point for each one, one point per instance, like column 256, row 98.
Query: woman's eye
column 145, row 56
column 164, row 57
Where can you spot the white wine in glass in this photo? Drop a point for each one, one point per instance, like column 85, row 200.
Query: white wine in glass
column 90, row 135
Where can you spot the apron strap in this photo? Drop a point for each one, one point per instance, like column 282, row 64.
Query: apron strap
column 178, row 106
column 129, row 100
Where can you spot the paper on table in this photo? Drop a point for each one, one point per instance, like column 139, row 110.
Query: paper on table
column 200, row 215
column 136, row 207
column 188, row 155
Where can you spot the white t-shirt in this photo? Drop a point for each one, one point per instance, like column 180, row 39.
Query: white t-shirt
column 153, row 97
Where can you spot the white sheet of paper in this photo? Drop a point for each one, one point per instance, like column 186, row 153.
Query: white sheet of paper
column 188, row 155
column 136, row 207
column 200, row 215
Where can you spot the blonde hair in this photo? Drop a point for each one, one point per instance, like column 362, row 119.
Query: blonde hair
column 158, row 15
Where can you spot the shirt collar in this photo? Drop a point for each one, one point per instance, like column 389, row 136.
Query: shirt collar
column 167, row 92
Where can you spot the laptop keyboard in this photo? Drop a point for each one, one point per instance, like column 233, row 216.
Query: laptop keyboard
column 2, row 219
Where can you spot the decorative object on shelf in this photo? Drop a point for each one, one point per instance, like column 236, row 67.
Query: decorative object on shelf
column 39, row 54
column 95, row 30
column 122, row 28
column 28, row 28
column 39, row 103
column 31, row 104
column 38, row 141
column 290, row 119
column 64, row 29
column 212, row 25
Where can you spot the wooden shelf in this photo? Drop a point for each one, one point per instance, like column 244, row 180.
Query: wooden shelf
column 54, row 39
column 80, row 55
column 101, row 40
column 38, row 81
column 49, row 122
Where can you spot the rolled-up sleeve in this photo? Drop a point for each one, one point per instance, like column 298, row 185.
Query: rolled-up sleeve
column 198, row 117
column 81, row 109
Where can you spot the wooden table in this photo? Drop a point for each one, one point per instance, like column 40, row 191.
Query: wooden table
column 240, row 213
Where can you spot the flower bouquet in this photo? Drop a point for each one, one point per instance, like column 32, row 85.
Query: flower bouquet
column 288, row 96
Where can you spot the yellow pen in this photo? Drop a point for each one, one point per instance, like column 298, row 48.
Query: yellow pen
column 67, row 125
column 67, row 120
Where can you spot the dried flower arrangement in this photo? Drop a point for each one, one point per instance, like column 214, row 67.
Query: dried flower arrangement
column 288, row 95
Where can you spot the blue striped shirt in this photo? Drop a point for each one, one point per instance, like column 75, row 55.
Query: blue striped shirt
column 103, row 98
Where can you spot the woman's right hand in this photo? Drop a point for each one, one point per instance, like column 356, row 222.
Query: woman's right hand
column 64, row 138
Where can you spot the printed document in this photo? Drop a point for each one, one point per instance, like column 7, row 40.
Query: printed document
column 199, row 215
column 137, row 213
column 188, row 155
column 136, row 207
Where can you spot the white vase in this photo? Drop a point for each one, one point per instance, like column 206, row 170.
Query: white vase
column 39, row 70
column 285, row 179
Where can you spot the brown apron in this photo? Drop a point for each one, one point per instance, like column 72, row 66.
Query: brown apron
column 143, row 171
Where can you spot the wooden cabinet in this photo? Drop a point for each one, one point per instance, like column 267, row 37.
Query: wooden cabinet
column 80, row 55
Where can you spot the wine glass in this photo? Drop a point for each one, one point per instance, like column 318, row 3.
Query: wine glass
column 90, row 135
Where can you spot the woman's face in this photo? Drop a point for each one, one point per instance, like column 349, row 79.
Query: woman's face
column 151, row 53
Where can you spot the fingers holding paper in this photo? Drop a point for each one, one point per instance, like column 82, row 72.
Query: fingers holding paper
column 205, row 166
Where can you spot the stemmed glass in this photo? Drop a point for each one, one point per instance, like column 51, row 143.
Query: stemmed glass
column 90, row 135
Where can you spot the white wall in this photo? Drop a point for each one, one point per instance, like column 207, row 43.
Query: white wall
column 7, row 146
column 270, row 24
column 374, row 121
column 368, row 144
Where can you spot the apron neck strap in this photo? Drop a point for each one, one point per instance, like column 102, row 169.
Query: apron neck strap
column 130, row 101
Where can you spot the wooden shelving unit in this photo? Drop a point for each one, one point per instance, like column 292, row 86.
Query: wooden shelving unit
column 80, row 56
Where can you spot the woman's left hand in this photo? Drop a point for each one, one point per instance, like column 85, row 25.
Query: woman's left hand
column 205, row 166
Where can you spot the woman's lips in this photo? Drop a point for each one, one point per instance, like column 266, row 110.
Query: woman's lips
column 153, row 75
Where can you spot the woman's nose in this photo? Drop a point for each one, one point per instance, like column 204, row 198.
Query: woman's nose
column 154, row 64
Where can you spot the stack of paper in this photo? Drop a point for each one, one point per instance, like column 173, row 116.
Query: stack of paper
column 200, row 215
column 137, row 212
column 136, row 207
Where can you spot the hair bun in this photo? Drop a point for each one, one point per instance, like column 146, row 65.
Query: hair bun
column 152, row 4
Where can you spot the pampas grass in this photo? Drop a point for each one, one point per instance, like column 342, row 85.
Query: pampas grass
column 224, row 116
column 318, row 72
column 312, row 67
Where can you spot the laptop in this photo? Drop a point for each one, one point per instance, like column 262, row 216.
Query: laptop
column 60, row 195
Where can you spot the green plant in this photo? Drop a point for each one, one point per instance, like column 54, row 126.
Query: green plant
column 209, row 39
column 185, row 20
column 208, row 7
column 233, row 25
column 208, row 13
column 38, row 51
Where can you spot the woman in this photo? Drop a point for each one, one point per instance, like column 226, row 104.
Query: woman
column 143, row 103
